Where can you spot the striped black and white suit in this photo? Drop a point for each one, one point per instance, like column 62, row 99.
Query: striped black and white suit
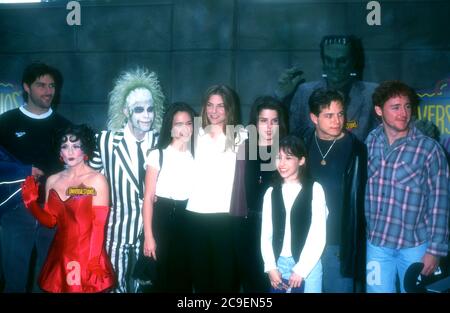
column 116, row 159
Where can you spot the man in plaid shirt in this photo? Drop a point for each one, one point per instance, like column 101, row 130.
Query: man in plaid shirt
column 407, row 193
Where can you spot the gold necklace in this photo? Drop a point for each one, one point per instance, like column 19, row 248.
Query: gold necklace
column 323, row 162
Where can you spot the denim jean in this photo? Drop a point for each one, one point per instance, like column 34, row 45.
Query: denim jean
column 285, row 265
column 20, row 234
column 384, row 264
column 333, row 281
column 313, row 283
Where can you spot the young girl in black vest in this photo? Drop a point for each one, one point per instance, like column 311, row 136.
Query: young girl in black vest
column 293, row 224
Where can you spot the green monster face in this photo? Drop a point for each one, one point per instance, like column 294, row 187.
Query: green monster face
column 337, row 65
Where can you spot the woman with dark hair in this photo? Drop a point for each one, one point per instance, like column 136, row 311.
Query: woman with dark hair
column 293, row 223
column 77, row 202
column 267, row 124
column 167, row 187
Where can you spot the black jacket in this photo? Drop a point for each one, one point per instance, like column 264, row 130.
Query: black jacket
column 353, row 236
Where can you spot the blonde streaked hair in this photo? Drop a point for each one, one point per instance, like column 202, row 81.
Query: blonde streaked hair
column 124, row 84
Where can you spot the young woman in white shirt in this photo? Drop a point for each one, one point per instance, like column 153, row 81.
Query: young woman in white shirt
column 209, row 208
column 167, row 188
column 293, row 224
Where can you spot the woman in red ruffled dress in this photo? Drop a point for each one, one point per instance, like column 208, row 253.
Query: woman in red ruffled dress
column 77, row 203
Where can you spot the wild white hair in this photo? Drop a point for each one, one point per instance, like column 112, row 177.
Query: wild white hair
column 127, row 82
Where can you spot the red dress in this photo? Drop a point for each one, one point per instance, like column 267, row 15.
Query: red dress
column 78, row 232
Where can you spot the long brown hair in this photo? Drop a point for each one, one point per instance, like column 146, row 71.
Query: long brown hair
column 231, row 106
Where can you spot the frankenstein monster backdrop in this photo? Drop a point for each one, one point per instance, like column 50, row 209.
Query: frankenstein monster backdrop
column 244, row 43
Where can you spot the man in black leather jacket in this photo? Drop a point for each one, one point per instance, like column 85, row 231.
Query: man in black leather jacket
column 338, row 161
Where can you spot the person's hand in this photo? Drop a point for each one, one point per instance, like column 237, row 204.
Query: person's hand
column 295, row 280
column 30, row 191
column 150, row 247
column 275, row 279
column 430, row 263
column 36, row 172
column 288, row 81
column 96, row 274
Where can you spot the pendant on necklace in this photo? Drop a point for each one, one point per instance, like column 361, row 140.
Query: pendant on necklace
column 323, row 162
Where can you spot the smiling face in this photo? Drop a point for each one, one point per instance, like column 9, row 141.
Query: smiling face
column 288, row 166
column 139, row 111
column 41, row 93
column 215, row 110
column 396, row 115
column 71, row 152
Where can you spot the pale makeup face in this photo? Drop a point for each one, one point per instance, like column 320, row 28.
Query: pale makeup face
column 267, row 126
column 288, row 166
column 182, row 126
column 71, row 152
column 396, row 115
column 140, row 111
column 215, row 111
column 41, row 92
column 330, row 122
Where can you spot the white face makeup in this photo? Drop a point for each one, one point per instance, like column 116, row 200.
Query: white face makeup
column 71, row 152
column 139, row 111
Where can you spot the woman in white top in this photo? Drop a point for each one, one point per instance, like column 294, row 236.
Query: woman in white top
column 293, row 224
column 209, row 206
column 167, row 188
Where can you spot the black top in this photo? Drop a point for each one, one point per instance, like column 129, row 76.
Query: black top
column 257, row 179
column 330, row 177
column 30, row 140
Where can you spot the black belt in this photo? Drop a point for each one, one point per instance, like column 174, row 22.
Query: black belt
column 175, row 204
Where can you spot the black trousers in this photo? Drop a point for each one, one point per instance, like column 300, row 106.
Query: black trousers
column 212, row 251
column 247, row 236
column 173, row 262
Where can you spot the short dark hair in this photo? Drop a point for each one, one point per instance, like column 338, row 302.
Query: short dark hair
column 321, row 98
column 356, row 49
column 38, row 69
column 165, row 136
column 269, row 103
column 393, row 88
column 82, row 132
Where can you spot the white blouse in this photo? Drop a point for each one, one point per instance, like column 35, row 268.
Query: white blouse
column 315, row 240
column 214, row 175
column 175, row 179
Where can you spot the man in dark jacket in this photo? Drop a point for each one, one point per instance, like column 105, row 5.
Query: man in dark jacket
column 26, row 133
column 337, row 160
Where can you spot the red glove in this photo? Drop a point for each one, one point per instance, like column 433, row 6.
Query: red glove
column 30, row 194
column 96, row 274
column 30, row 191
column 95, row 270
